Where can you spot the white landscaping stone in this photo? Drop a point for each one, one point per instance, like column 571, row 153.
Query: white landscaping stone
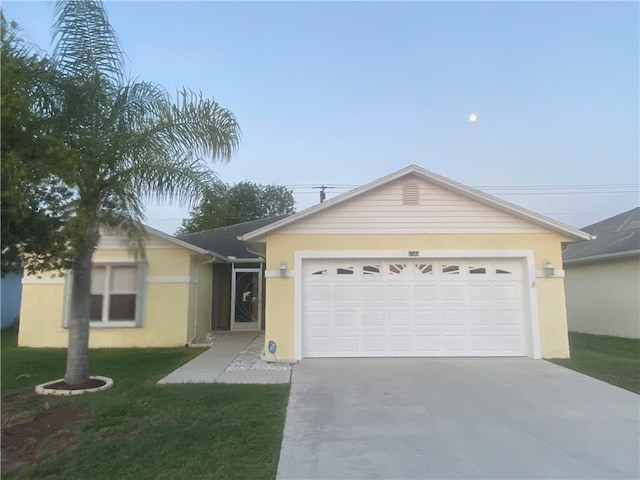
column 249, row 359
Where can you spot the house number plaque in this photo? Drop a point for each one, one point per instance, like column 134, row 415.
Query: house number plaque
column 414, row 253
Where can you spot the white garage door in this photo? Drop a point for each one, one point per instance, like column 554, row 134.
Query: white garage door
column 443, row 307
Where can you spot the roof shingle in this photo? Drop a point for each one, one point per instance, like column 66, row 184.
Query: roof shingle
column 224, row 240
column 617, row 236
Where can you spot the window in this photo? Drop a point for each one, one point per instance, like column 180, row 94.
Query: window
column 115, row 295
column 499, row 271
column 477, row 270
column 370, row 269
column 397, row 268
column 319, row 272
column 450, row 269
column 345, row 270
column 425, row 268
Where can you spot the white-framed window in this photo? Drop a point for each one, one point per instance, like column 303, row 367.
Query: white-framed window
column 117, row 291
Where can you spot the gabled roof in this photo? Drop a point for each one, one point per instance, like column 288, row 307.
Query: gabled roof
column 617, row 236
column 224, row 240
column 172, row 239
column 436, row 179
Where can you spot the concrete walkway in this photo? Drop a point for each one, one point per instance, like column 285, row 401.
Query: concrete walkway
column 210, row 366
column 456, row 418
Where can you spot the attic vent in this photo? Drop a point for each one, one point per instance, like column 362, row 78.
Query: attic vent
column 410, row 194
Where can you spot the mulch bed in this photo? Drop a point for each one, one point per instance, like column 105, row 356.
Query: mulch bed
column 62, row 385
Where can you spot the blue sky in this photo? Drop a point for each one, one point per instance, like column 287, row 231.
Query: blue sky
column 342, row 93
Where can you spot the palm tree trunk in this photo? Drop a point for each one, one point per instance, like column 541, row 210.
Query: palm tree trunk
column 78, row 348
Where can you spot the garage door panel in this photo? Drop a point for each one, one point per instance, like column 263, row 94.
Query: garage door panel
column 373, row 318
column 426, row 318
column 403, row 293
column 426, row 293
column 346, row 292
column 318, row 320
column 453, row 318
column 374, row 345
column 399, row 318
column 372, row 293
column 452, row 293
column 439, row 307
column 428, row 344
column 346, row 344
column 398, row 344
column 346, row 318
column 482, row 293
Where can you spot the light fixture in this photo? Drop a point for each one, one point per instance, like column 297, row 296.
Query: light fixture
column 283, row 268
column 549, row 270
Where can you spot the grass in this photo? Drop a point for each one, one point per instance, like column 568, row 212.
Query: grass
column 138, row 430
column 614, row 360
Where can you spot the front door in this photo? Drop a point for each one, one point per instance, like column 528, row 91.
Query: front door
column 246, row 299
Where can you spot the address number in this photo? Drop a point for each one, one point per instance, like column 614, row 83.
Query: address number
column 414, row 253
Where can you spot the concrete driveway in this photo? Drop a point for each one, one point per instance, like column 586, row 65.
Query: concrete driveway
column 456, row 418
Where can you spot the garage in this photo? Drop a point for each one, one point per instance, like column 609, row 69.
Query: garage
column 414, row 264
column 406, row 307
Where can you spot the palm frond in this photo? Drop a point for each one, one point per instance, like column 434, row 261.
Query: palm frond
column 86, row 44
column 167, row 178
column 198, row 125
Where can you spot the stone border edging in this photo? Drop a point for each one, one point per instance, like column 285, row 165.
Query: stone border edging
column 42, row 390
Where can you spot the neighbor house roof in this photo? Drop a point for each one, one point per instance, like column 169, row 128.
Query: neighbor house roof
column 225, row 240
column 617, row 236
column 437, row 180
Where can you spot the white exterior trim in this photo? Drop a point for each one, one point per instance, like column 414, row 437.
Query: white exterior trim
column 115, row 260
column 172, row 279
column 36, row 280
column 533, row 332
column 437, row 180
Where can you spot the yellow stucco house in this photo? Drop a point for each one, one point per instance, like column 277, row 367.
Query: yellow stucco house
column 412, row 264
column 179, row 292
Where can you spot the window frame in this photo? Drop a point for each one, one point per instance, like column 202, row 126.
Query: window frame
column 140, row 282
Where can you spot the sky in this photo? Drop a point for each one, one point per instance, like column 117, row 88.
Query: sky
column 343, row 93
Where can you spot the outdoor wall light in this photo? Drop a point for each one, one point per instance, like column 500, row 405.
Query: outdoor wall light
column 549, row 270
column 283, row 268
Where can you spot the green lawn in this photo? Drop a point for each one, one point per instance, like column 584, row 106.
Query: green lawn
column 135, row 430
column 614, row 360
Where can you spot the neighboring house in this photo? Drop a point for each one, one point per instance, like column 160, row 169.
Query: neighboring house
column 412, row 264
column 10, row 298
column 602, row 282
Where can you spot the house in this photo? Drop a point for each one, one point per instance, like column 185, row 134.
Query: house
column 10, row 291
column 412, row 264
column 180, row 291
column 602, row 283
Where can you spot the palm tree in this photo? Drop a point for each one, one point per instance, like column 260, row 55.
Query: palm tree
column 128, row 141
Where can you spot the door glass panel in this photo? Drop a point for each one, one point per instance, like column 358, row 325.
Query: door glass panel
column 247, row 301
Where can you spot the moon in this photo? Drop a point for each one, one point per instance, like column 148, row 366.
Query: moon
column 473, row 117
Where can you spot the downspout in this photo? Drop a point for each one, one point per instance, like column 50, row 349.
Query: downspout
column 195, row 308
